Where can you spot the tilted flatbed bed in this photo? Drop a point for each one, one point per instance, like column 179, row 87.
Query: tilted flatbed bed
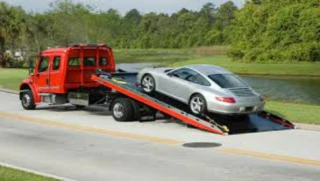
column 124, row 85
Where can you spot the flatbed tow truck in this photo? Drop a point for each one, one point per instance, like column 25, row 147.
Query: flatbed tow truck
column 85, row 75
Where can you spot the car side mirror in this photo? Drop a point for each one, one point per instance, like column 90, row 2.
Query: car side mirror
column 170, row 74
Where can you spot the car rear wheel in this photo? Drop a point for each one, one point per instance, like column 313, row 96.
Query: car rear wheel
column 197, row 104
column 148, row 84
column 27, row 100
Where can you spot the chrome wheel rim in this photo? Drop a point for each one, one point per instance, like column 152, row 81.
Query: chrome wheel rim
column 148, row 84
column 118, row 110
column 26, row 99
column 197, row 105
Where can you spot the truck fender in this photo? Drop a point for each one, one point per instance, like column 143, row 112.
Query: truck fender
column 27, row 85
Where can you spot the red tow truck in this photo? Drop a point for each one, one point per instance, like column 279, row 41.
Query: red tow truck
column 85, row 75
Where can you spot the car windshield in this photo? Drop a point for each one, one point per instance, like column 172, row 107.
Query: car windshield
column 227, row 81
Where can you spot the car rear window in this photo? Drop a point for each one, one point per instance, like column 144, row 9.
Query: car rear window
column 227, row 81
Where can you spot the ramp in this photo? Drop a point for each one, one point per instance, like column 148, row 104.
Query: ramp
column 218, row 124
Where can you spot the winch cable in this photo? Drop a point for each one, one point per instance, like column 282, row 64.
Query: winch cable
column 212, row 121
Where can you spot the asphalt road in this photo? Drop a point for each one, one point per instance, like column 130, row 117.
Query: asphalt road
column 90, row 145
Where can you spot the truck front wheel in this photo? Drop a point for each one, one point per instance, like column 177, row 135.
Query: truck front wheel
column 122, row 110
column 27, row 100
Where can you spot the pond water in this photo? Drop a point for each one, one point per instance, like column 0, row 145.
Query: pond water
column 294, row 89
column 297, row 89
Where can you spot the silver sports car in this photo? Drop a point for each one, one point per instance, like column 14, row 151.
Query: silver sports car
column 203, row 88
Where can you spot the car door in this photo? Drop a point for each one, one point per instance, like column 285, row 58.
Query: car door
column 176, row 85
column 41, row 75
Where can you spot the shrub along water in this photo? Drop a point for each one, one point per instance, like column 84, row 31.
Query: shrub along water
column 277, row 30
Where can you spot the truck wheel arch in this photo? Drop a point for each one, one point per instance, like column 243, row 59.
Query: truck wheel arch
column 26, row 86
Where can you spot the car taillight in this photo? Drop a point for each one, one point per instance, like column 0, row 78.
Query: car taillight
column 226, row 99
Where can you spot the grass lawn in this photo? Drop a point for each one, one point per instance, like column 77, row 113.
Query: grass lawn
column 294, row 69
column 295, row 112
column 9, row 174
column 11, row 78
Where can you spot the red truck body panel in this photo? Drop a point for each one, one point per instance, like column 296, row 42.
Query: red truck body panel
column 59, row 70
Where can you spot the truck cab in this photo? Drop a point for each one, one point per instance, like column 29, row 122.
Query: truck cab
column 63, row 75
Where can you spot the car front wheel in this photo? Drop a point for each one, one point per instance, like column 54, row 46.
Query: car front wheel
column 197, row 104
column 148, row 84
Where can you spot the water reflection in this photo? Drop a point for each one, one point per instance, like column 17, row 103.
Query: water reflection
column 298, row 89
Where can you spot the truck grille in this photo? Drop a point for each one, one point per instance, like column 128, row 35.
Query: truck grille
column 242, row 92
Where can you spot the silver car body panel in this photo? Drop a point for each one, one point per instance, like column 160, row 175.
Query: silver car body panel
column 247, row 100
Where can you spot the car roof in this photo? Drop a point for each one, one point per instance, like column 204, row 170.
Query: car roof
column 208, row 69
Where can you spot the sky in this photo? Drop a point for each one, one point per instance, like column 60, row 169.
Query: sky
column 144, row 6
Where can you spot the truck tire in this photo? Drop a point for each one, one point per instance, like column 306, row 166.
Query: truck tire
column 79, row 107
column 122, row 110
column 27, row 100
column 136, row 110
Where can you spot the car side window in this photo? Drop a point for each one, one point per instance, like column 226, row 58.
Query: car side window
column 199, row 79
column 191, row 76
column 44, row 64
column 56, row 63
column 183, row 73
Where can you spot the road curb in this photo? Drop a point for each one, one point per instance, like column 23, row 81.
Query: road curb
column 9, row 91
column 310, row 127
column 34, row 172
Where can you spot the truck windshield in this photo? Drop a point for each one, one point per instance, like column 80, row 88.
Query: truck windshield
column 227, row 81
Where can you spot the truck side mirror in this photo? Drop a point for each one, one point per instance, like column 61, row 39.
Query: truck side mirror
column 31, row 67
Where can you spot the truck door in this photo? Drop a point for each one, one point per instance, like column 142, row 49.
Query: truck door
column 55, row 75
column 41, row 75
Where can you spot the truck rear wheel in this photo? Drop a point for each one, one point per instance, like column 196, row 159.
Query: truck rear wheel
column 27, row 100
column 79, row 107
column 122, row 110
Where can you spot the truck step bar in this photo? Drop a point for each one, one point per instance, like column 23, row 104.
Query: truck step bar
column 210, row 124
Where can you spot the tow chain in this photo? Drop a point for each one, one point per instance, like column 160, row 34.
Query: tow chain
column 222, row 127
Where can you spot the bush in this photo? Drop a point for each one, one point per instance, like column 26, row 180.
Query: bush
column 277, row 31
column 236, row 53
column 9, row 61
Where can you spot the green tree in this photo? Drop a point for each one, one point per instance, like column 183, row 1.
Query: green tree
column 273, row 30
column 12, row 20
